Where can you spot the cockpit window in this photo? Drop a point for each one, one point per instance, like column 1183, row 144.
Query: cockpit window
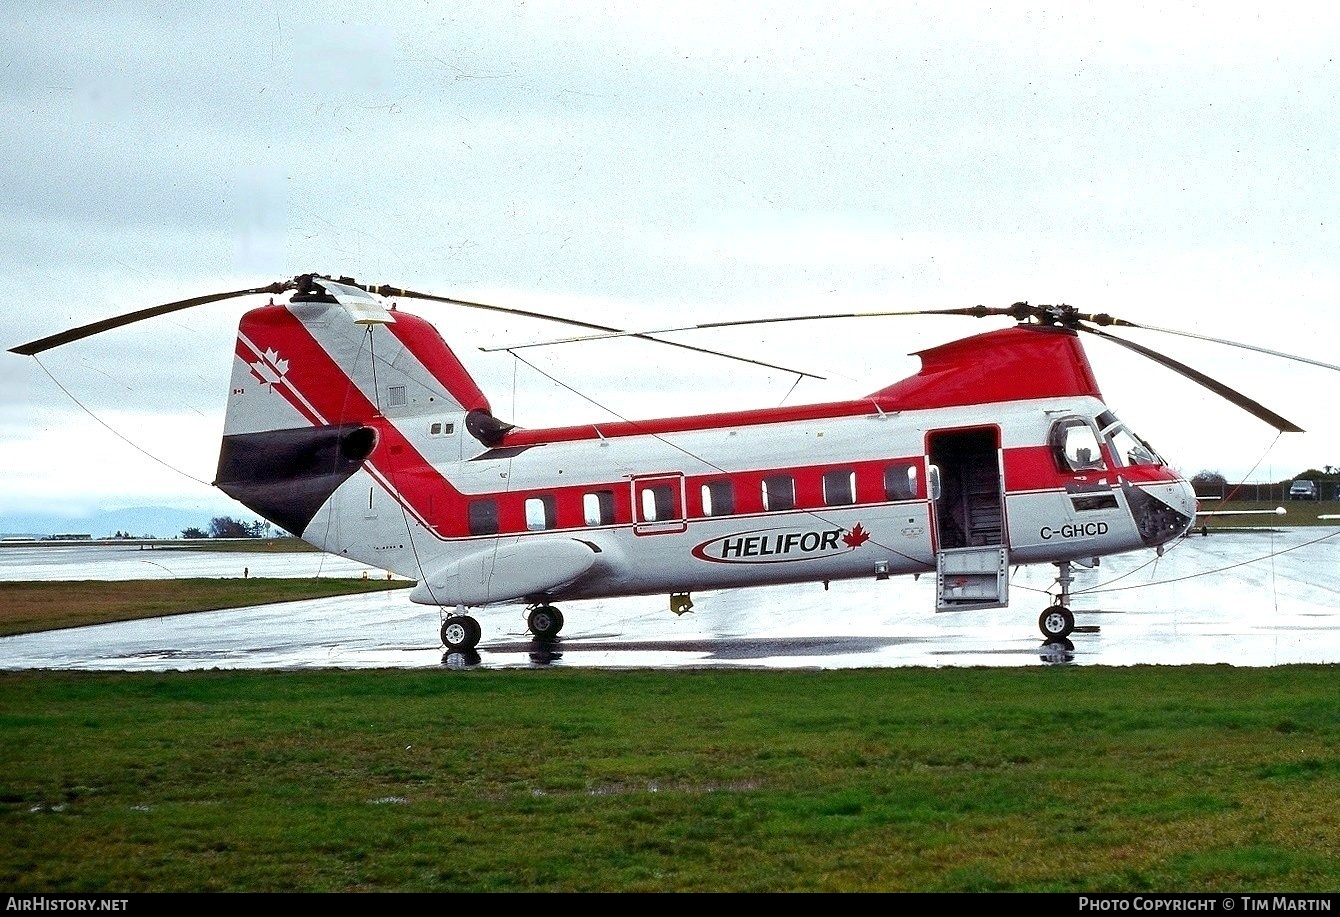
column 1128, row 448
column 1075, row 446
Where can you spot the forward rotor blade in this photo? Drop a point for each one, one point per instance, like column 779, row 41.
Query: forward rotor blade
column 606, row 330
column 978, row 311
column 1255, row 409
column 1202, row 337
column 74, row 334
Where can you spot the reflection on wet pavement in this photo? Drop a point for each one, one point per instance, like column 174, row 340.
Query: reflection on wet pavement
column 1250, row 598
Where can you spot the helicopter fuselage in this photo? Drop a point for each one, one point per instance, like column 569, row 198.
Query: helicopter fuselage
column 372, row 442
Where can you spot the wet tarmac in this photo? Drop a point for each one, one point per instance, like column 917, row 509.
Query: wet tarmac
column 50, row 562
column 1260, row 598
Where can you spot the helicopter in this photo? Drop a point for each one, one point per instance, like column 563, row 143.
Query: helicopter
column 354, row 425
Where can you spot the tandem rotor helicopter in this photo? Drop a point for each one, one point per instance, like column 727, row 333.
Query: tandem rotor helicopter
column 354, row 426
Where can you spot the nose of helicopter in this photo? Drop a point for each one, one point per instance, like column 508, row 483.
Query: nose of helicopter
column 1184, row 500
column 1181, row 503
column 1163, row 511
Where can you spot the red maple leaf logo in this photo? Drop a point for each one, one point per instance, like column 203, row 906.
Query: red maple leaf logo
column 856, row 537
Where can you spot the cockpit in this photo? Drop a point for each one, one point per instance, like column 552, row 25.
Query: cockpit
column 1076, row 445
column 1126, row 447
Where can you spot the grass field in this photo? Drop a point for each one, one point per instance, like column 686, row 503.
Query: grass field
column 1051, row 779
column 1296, row 513
column 286, row 544
column 26, row 607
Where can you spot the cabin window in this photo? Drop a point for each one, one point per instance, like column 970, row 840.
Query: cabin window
column 839, row 487
column 541, row 513
column 657, row 502
column 779, row 492
column 718, row 498
column 441, row 429
column 483, row 517
column 598, row 507
column 900, row 481
column 1075, row 446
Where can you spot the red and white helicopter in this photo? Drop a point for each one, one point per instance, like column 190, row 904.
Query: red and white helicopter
column 355, row 426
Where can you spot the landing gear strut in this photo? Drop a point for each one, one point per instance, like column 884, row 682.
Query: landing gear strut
column 460, row 633
column 1057, row 622
column 545, row 621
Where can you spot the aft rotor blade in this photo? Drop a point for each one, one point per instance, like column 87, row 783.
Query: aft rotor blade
column 1252, row 407
column 606, row 331
column 978, row 311
column 74, row 334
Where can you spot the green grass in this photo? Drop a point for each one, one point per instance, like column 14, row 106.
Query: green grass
column 1056, row 779
column 1297, row 513
column 283, row 544
column 27, row 607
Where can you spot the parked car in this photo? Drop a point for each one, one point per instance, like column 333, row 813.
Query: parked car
column 1304, row 490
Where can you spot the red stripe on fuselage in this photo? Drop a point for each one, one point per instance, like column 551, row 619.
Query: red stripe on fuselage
column 427, row 346
column 248, row 353
column 1013, row 364
column 314, row 377
column 1023, row 363
column 1033, row 468
column 723, row 421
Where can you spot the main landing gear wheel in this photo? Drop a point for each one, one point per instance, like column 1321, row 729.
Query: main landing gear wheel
column 1056, row 622
column 460, row 633
column 545, row 621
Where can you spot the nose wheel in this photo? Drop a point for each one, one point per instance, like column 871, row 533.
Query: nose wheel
column 1057, row 622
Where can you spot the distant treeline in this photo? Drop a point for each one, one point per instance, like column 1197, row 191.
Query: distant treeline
column 228, row 527
column 1214, row 484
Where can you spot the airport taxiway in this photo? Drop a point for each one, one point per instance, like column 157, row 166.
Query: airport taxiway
column 1246, row 598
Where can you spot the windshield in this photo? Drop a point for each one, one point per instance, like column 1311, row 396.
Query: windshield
column 1128, row 448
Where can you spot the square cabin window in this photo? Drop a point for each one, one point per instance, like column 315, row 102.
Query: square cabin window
column 483, row 517
column 541, row 513
column 839, row 487
column 718, row 498
column 598, row 507
column 900, row 481
column 779, row 492
column 657, row 502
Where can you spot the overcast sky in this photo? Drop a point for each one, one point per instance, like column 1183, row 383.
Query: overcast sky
column 643, row 163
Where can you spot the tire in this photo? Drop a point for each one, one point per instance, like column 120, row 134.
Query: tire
column 1056, row 622
column 460, row 633
column 545, row 621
